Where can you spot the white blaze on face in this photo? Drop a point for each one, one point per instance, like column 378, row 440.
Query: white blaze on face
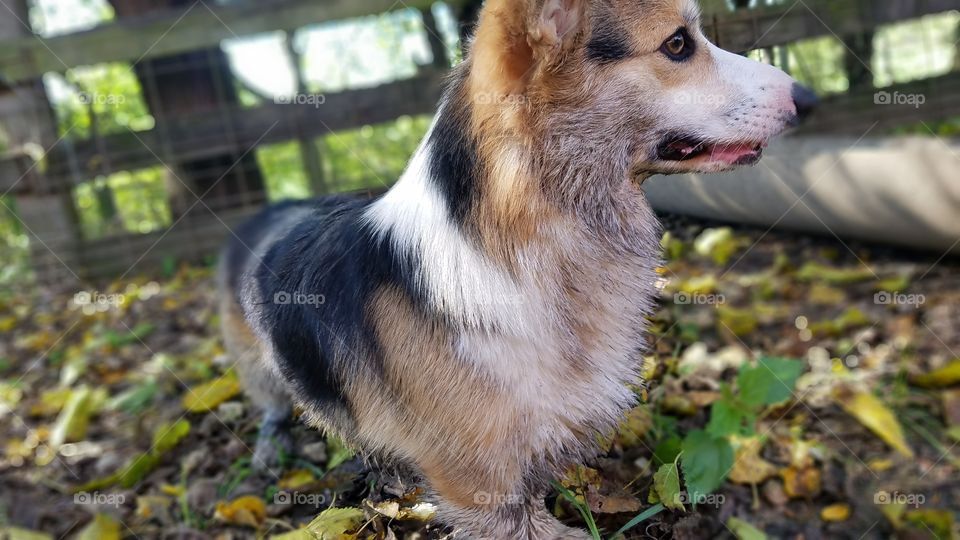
column 736, row 100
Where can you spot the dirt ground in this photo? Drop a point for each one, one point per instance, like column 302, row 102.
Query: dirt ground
column 120, row 419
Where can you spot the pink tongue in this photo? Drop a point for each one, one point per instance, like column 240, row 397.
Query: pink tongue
column 731, row 153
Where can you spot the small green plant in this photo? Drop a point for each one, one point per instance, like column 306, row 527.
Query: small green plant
column 706, row 455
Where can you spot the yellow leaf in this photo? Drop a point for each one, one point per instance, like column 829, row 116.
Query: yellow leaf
column 948, row 375
column 801, row 483
column 331, row 524
column 880, row 464
column 635, row 425
column 149, row 506
column 879, row 419
column 51, row 402
column 74, row 419
column 748, row 466
column 207, row 396
column 296, row 479
column 103, row 527
column 167, row 436
column 173, row 491
column 7, row 324
column 16, row 533
column 247, row 510
column 835, row 512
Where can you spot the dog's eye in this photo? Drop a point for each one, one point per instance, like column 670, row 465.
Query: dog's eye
column 679, row 46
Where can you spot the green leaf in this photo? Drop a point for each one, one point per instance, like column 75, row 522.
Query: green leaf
column 338, row 452
column 706, row 461
column 667, row 450
column 167, row 436
column 727, row 418
column 771, row 381
column 666, row 481
column 745, row 531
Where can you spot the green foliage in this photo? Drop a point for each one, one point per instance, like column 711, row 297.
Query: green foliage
column 105, row 99
column 14, row 246
column 706, row 460
column 706, row 456
column 123, row 202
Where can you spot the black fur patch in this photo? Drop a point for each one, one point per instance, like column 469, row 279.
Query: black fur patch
column 315, row 285
column 608, row 44
column 455, row 167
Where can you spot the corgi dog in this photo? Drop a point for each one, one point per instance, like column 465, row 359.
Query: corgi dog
column 483, row 321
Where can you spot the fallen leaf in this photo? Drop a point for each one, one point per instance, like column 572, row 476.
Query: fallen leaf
column 939, row 523
column 247, row 510
column 872, row 413
column 153, row 506
column 635, row 426
column 948, row 375
column 748, row 466
column 835, row 512
column 74, row 419
column 16, row 533
column 167, row 436
column 835, row 276
column 825, row 295
column 717, row 244
column 337, row 452
column 739, row 322
column 296, row 479
column 801, row 482
column 207, row 396
column 331, row 524
column 389, row 509
column 666, row 482
column 745, row 531
column 103, row 527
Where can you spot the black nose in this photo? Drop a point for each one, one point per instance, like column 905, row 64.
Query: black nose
column 805, row 100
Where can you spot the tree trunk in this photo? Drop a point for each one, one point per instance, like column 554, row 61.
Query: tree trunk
column 188, row 83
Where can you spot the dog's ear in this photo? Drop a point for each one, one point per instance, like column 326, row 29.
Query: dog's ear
column 556, row 22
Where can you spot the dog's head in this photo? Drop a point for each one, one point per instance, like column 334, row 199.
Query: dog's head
column 634, row 82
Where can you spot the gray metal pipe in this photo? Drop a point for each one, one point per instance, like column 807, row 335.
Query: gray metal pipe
column 896, row 190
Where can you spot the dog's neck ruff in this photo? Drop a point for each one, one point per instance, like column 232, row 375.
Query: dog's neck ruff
column 453, row 273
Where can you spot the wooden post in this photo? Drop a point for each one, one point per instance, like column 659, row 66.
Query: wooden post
column 43, row 205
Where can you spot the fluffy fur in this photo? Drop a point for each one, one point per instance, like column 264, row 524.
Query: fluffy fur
column 481, row 322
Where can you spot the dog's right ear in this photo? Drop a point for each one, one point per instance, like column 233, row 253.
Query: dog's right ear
column 556, row 23
column 514, row 36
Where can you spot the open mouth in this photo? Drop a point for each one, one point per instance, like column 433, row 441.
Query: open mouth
column 680, row 148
